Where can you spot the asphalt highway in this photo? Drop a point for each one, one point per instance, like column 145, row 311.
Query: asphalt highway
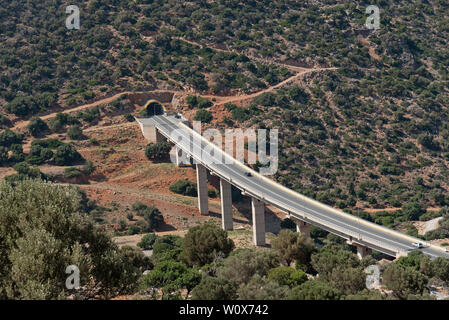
column 354, row 229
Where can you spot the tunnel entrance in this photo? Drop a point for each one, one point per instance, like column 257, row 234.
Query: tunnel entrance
column 152, row 108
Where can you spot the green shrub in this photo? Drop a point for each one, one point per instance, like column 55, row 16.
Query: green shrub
column 88, row 168
column 72, row 173
column 147, row 241
column 203, row 116
column 66, row 155
column 287, row 276
column 314, row 290
column 211, row 288
column 75, row 132
column 158, row 150
column 90, row 115
column 37, row 126
column 48, row 143
column 139, row 206
column 3, row 155
column 9, row 137
column 204, row 103
column 153, row 218
column 4, row 121
column 24, row 171
column 129, row 117
column 204, row 243
column 17, row 153
column 133, row 229
column 46, row 232
column 22, row 106
column 192, row 101
column 184, row 187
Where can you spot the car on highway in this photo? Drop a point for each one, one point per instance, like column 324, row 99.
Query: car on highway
column 248, row 174
column 418, row 245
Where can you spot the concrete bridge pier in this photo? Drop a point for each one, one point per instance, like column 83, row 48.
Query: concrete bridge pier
column 258, row 209
column 226, row 205
column 152, row 134
column 201, row 180
column 362, row 251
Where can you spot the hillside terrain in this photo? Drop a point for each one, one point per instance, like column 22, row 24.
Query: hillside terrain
column 365, row 129
column 362, row 114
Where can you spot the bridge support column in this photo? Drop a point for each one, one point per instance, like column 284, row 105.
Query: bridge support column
column 362, row 251
column 154, row 135
column 258, row 208
column 151, row 133
column 201, row 180
column 226, row 205
column 303, row 228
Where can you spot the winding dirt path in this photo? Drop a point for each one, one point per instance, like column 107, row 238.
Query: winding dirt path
column 217, row 99
column 261, row 60
column 24, row 123
column 230, row 99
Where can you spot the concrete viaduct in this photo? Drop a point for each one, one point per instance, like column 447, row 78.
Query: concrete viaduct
column 304, row 211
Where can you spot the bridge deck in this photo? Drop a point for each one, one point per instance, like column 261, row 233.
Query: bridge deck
column 347, row 226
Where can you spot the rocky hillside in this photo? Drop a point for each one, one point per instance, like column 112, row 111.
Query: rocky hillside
column 369, row 133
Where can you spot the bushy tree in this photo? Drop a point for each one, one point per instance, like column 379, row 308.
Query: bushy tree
column 158, row 150
column 17, row 153
column 37, row 126
column 9, row 137
column 134, row 257
column 261, row 288
column 153, row 217
column 42, row 231
column 440, row 268
column 204, row 242
column 242, row 264
column 170, row 276
column 22, row 105
column 292, row 246
column 38, row 155
column 4, row 121
column 147, row 241
column 365, row 294
column 403, row 280
column 75, row 132
column 413, row 210
column 211, row 288
column 184, row 187
column 167, row 248
column 287, row 276
column 330, row 257
column 203, row 115
column 314, row 290
column 3, row 155
column 348, row 280
column 66, row 155
column 26, row 172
